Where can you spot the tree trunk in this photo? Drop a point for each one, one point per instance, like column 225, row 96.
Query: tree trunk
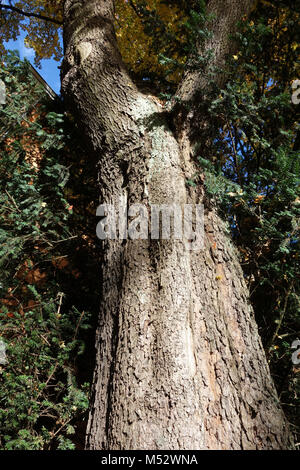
column 179, row 361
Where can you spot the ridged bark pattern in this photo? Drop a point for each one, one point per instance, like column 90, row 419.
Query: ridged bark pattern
column 179, row 361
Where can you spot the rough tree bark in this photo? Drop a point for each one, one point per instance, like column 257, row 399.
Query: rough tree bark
column 179, row 362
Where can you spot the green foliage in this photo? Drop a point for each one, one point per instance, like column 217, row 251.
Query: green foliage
column 39, row 321
column 38, row 394
column 165, row 37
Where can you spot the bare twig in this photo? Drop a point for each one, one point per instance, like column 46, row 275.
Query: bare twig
column 77, row 326
column 12, row 199
column 275, row 335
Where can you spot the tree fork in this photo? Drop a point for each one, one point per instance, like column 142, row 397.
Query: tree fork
column 179, row 361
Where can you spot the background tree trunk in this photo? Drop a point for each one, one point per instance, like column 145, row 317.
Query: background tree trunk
column 179, row 361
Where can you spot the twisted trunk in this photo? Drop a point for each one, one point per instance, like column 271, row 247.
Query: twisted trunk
column 179, row 360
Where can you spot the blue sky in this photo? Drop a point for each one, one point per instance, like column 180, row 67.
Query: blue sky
column 49, row 70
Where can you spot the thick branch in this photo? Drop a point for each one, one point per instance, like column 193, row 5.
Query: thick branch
column 29, row 15
column 93, row 62
column 226, row 15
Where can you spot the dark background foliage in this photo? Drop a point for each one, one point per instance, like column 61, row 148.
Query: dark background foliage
column 48, row 279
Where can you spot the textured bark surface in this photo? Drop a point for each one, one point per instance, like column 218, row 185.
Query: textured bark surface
column 225, row 16
column 179, row 361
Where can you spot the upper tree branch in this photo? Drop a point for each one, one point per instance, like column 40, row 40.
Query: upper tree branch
column 34, row 15
column 226, row 14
